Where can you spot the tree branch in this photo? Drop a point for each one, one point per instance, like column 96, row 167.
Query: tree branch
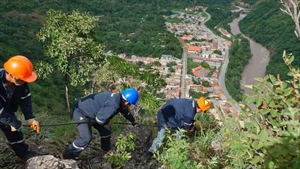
column 291, row 7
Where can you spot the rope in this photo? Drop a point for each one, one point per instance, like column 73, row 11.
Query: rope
column 71, row 123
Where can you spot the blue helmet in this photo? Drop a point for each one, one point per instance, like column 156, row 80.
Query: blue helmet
column 131, row 96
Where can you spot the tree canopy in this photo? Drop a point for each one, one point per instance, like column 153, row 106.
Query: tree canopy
column 71, row 46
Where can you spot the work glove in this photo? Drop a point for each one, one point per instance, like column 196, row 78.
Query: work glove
column 33, row 124
column 135, row 124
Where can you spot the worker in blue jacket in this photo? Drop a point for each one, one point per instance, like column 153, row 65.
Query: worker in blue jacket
column 99, row 108
column 177, row 114
column 14, row 93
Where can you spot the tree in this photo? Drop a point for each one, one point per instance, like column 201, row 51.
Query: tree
column 206, row 83
column 217, row 52
column 271, row 130
column 124, row 74
column 291, row 7
column 171, row 69
column 156, row 63
column 71, row 47
column 172, row 63
column 205, row 65
column 140, row 64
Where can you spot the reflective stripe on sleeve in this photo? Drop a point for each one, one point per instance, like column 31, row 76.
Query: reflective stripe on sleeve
column 16, row 142
column 29, row 94
column 188, row 124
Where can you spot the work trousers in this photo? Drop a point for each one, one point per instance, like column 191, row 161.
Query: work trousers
column 162, row 125
column 161, row 122
column 15, row 141
column 85, row 134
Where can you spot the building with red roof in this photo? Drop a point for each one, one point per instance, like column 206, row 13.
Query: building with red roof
column 194, row 49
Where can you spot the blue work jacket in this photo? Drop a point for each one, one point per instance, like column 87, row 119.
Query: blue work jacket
column 104, row 106
column 11, row 99
column 179, row 113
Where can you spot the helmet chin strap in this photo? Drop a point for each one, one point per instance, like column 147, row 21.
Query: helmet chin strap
column 125, row 103
column 18, row 84
column 12, row 80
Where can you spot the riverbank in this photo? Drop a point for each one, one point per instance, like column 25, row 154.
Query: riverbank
column 257, row 64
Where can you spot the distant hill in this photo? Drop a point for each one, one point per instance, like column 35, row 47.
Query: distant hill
column 274, row 29
column 133, row 27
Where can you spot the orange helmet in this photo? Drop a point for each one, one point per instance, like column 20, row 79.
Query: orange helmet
column 21, row 68
column 203, row 104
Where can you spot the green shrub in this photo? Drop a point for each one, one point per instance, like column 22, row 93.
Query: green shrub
column 270, row 138
column 175, row 153
column 121, row 155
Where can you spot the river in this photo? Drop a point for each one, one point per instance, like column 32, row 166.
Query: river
column 258, row 62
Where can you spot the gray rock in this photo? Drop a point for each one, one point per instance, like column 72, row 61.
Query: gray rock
column 50, row 162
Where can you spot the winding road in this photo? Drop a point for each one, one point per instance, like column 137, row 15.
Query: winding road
column 223, row 70
column 255, row 68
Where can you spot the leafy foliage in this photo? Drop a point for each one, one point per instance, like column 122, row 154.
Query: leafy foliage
column 175, row 152
column 263, row 136
column 267, row 25
column 239, row 57
column 123, row 145
column 271, row 135
column 142, row 33
column 250, row 2
column 70, row 43
column 124, row 74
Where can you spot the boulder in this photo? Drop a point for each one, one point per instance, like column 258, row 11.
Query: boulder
column 50, row 162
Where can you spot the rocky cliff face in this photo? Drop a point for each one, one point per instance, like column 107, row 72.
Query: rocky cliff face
column 91, row 157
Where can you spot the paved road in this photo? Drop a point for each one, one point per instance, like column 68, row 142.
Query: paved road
column 223, row 70
column 183, row 74
column 183, row 89
column 207, row 19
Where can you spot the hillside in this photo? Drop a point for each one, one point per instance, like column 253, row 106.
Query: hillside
column 273, row 29
column 264, row 137
column 132, row 27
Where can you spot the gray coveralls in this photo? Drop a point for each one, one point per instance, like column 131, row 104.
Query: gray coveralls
column 95, row 111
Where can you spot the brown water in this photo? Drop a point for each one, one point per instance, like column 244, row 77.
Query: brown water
column 257, row 64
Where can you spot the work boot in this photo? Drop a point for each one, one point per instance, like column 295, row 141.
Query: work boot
column 23, row 159
column 147, row 155
column 67, row 155
column 105, row 153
